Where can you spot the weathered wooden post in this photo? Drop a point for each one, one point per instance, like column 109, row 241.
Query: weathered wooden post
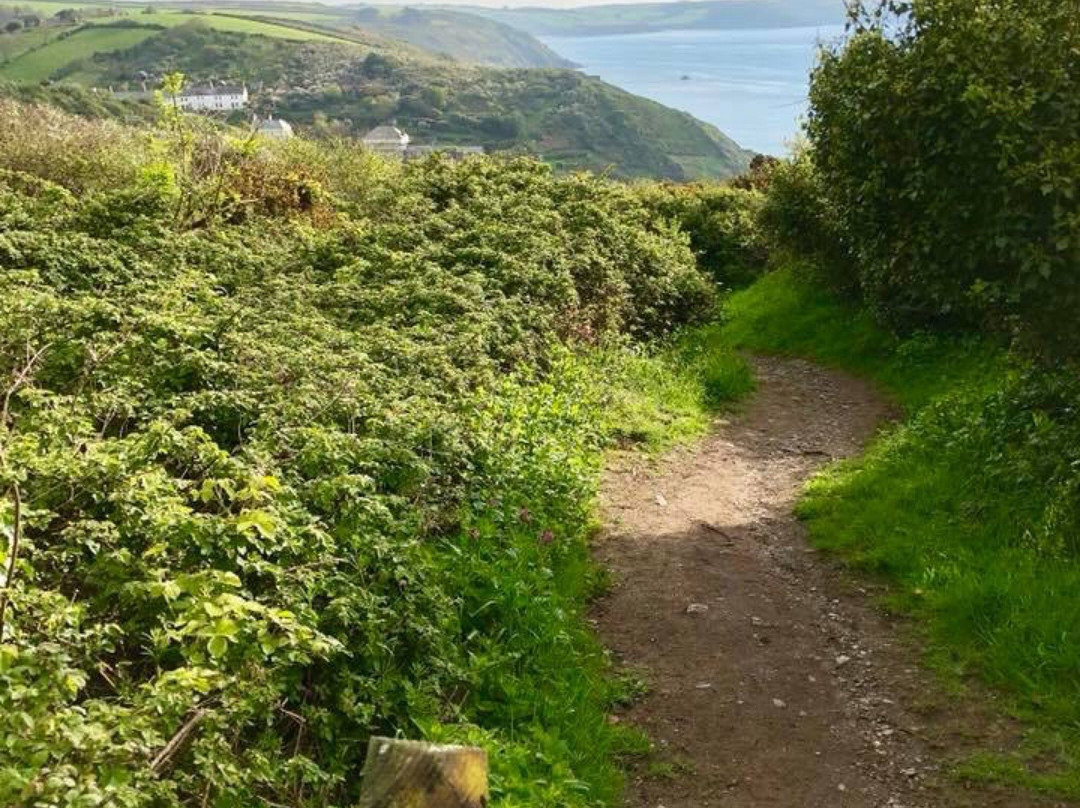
column 414, row 774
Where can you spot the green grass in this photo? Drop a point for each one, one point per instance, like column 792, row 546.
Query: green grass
column 668, row 395
column 39, row 64
column 326, row 17
column 785, row 312
column 241, row 25
column 968, row 509
column 48, row 9
column 14, row 45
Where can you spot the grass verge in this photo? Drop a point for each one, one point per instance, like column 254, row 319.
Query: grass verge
column 666, row 394
column 969, row 507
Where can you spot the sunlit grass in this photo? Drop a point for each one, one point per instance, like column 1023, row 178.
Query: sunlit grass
column 669, row 394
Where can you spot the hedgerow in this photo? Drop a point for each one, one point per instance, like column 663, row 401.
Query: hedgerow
column 291, row 455
column 944, row 135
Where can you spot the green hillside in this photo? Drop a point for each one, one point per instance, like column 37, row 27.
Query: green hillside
column 460, row 36
column 41, row 63
column 40, row 53
column 571, row 120
column 465, row 37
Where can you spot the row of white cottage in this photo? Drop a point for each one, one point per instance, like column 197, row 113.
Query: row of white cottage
column 212, row 97
column 195, row 98
column 386, row 139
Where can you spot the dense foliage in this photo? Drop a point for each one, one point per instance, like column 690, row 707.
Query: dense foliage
column 944, row 138
column 297, row 446
column 723, row 223
column 80, row 101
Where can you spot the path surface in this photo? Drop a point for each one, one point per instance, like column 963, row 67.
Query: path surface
column 789, row 689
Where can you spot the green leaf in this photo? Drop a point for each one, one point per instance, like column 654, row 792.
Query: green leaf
column 217, row 646
column 262, row 522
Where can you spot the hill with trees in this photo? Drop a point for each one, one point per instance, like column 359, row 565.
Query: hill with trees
column 460, row 36
column 569, row 119
column 468, row 38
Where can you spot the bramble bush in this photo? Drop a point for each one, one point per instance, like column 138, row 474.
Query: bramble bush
column 298, row 446
column 722, row 221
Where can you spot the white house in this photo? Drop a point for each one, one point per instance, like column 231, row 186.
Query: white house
column 274, row 128
column 386, row 139
column 213, row 97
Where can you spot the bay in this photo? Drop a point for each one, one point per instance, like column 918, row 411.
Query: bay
column 750, row 83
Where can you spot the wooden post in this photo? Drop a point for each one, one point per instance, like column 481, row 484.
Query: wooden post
column 414, row 774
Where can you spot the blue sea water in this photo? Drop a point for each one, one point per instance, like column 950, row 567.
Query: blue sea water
column 752, row 84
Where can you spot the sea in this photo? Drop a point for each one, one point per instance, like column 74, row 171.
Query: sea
column 751, row 83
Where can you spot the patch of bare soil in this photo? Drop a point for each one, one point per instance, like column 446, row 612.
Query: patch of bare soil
column 774, row 679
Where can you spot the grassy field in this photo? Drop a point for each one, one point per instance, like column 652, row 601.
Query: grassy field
column 48, row 9
column 14, row 45
column 240, row 25
column 39, row 64
column 37, row 54
column 963, row 509
column 464, row 37
column 327, row 17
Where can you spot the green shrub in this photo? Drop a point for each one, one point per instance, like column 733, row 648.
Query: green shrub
column 76, row 153
column 944, row 137
column 799, row 221
column 722, row 223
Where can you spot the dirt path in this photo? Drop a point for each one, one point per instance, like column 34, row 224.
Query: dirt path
column 774, row 682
